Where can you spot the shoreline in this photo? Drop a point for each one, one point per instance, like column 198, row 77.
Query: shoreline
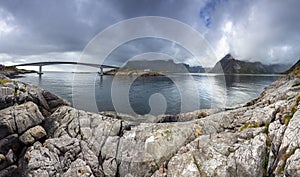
column 15, row 73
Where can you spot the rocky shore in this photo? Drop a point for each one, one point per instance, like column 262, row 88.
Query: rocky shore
column 14, row 72
column 40, row 135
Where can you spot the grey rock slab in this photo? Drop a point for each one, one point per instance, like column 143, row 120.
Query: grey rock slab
column 79, row 168
column 26, row 116
column 18, row 119
column 7, row 122
column 223, row 154
column 276, row 132
column 32, row 135
column 290, row 142
column 142, row 149
column 292, row 167
column 39, row 158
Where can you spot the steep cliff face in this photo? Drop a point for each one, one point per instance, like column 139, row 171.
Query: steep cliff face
column 260, row 139
column 229, row 65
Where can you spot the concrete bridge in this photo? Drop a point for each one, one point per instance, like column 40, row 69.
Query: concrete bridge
column 41, row 64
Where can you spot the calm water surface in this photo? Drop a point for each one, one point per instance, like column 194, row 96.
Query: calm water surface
column 148, row 93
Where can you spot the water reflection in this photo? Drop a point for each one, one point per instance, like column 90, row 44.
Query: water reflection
column 211, row 90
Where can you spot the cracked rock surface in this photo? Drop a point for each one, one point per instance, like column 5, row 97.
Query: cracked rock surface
column 41, row 136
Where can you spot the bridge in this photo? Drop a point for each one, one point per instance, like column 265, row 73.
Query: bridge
column 41, row 64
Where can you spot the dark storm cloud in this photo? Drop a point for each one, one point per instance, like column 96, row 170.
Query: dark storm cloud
column 59, row 30
column 48, row 26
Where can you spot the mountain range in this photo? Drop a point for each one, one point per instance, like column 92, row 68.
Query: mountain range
column 163, row 65
column 228, row 65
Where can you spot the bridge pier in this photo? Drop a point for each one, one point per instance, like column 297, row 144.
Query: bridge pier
column 40, row 70
column 101, row 73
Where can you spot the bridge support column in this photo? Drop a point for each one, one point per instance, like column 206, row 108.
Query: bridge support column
column 101, row 71
column 40, row 70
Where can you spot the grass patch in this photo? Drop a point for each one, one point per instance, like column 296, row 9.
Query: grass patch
column 287, row 119
column 3, row 81
column 266, row 131
column 248, row 125
column 265, row 165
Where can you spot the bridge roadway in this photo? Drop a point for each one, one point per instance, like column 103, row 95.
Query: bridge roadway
column 41, row 64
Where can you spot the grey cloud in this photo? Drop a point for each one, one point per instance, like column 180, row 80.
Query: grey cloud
column 260, row 30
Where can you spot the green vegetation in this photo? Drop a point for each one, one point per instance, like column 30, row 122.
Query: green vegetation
column 295, row 71
column 248, row 125
column 265, row 165
column 9, row 68
column 289, row 116
column 23, row 90
column 288, row 155
column 285, row 158
column 287, row 119
column 266, row 131
column 3, row 81
column 202, row 114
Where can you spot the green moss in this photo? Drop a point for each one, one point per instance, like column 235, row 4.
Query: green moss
column 244, row 126
column 281, row 169
column 288, row 155
column 248, row 125
column 287, row 118
column 266, row 131
column 3, row 81
column 265, row 165
column 285, row 158
column 167, row 132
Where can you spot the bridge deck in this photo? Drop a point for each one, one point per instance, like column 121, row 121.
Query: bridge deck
column 66, row 63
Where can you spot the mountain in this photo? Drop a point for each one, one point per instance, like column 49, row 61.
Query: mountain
column 296, row 65
column 163, row 65
column 230, row 65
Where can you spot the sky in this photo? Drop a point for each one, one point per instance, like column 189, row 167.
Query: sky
column 59, row 30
